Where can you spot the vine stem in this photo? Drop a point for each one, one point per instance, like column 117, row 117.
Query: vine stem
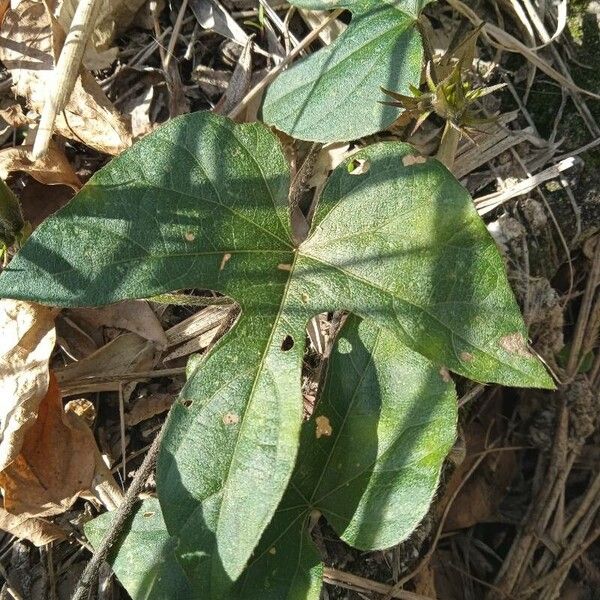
column 449, row 145
column 122, row 513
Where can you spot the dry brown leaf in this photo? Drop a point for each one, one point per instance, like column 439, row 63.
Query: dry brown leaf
column 83, row 408
column 26, row 344
column 31, row 41
column 146, row 408
column 139, row 109
column 114, row 16
column 314, row 19
column 57, row 462
column 239, row 84
column 73, row 339
column 125, row 354
column 327, row 159
column 480, row 496
column 12, row 113
column 39, row 201
column 52, row 169
column 38, row 531
column 424, row 582
column 132, row 315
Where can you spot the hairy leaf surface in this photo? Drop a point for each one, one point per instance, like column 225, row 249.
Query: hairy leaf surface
column 202, row 203
column 390, row 421
column 144, row 560
column 335, row 94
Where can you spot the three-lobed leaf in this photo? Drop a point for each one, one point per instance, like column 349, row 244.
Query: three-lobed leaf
column 202, row 203
column 335, row 94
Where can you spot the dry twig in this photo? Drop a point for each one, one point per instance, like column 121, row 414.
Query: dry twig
column 120, row 517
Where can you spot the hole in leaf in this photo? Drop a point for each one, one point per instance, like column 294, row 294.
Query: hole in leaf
column 187, row 403
column 358, row 166
column 288, row 343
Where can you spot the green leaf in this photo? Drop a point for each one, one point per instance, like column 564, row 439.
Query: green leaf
column 335, row 94
column 202, row 203
column 391, row 419
column 411, row 7
column 287, row 565
column 144, row 560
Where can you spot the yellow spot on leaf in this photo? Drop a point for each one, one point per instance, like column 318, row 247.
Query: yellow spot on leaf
column 272, row 550
column 445, row 375
column 231, row 418
column 413, row 159
column 466, row 356
column 190, row 236
column 224, row 260
column 284, row 267
column 514, row 343
column 323, row 427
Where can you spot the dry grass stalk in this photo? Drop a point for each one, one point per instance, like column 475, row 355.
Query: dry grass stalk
column 490, row 202
column 360, row 584
column 584, row 314
column 66, row 72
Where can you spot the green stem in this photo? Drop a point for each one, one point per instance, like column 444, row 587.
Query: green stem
column 448, row 145
column 11, row 217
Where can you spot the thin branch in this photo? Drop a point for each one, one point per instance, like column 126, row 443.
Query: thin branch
column 122, row 513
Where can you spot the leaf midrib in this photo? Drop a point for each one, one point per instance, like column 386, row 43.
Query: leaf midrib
column 153, row 257
column 251, row 396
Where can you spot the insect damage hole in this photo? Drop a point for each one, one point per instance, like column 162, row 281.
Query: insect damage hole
column 358, row 166
column 187, row 403
column 287, row 344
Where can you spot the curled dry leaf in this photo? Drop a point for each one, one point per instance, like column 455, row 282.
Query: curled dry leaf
column 12, row 112
column 146, row 408
column 125, row 354
column 51, row 169
column 37, row 531
column 35, row 42
column 132, row 315
column 26, row 344
column 57, row 462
